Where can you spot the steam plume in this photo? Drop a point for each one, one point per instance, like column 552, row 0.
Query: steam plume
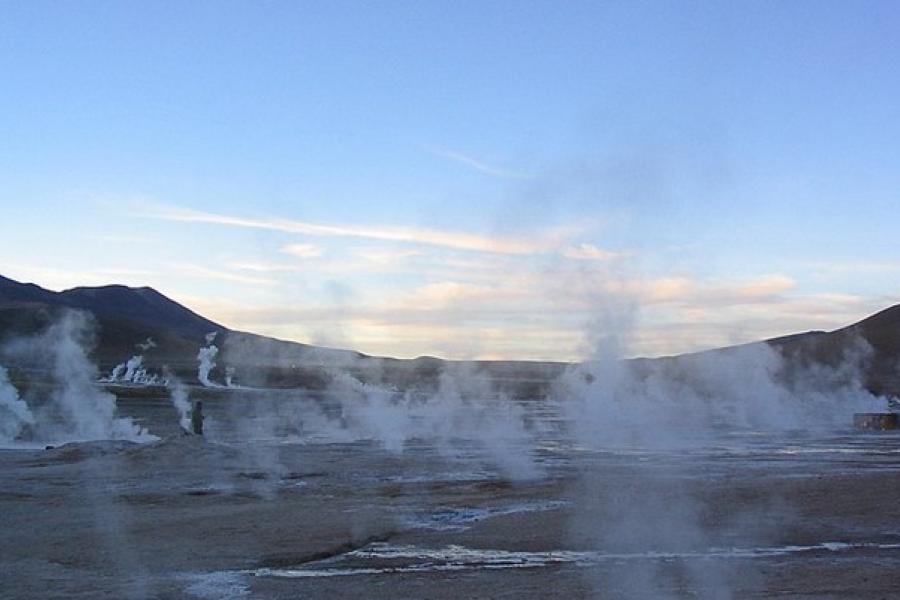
column 207, row 358
column 464, row 411
column 14, row 412
column 133, row 370
column 131, row 367
column 180, row 401
column 75, row 409
column 685, row 403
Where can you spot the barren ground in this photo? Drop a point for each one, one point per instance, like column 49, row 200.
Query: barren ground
column 185, row 517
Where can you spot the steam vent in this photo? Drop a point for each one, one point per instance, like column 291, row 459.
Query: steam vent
column 879, row 421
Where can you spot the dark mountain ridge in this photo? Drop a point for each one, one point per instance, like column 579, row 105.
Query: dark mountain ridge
column 127, row 316
column 141, row 305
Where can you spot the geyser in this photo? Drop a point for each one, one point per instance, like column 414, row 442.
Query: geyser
column 207, row 358
column 74, row 408
column 133, row 371
column 14, row 412
column 179, row 394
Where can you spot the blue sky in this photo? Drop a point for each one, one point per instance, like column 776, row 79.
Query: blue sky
column 462, row 179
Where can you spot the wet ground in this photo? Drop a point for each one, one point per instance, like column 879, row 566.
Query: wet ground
column 300, row 515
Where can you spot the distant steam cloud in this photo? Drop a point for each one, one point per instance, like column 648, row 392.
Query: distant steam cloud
column 672, row 402
column 667, row 401
column 464, row 410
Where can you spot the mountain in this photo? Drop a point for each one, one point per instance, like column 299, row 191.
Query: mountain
column 127, row 316
column 143, row 306
column 124, row 317
column 881, row 332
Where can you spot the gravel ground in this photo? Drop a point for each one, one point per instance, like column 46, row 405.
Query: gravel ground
column 186, row 517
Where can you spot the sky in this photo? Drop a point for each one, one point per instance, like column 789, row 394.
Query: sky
column 461, row 179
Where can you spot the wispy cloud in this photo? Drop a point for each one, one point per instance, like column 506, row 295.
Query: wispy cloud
column 545, row 242
column 302, row 250
column 385, row 256
column 476, row 164
column 125, row 239
column 589, row 252
column 263, row 267
column 220, row 274
column 684, row 290
column 850, row 267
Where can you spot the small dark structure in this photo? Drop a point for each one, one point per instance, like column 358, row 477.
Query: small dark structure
column 877, row 421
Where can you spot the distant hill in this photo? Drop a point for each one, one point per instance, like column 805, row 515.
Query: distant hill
column 141, row 306
column 882, row 333
column 144, row 306
column 124, row 316
column 127, row 316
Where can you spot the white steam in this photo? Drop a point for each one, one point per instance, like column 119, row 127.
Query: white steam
column 682, row 407
column 14, row 412
column 464, row 415
column 132, row 366
column 73, row 408
column 133, row 371
column 116, row 374
column 676, row 401
column 180, row 400
column 207, row 358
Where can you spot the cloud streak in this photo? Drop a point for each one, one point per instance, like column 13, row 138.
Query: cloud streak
column 264, row 267
column 524, row 316
column 477, row 165
column 589, row 252
column 539, row 244
column 302, row 250
column 219, row 274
